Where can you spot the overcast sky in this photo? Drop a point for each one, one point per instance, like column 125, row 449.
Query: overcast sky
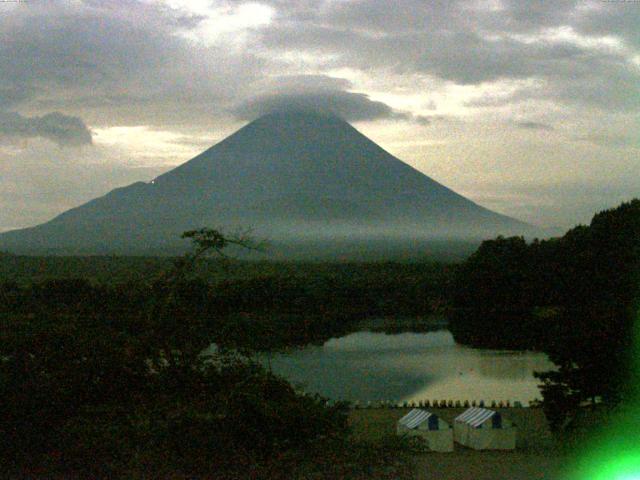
column 530, row 107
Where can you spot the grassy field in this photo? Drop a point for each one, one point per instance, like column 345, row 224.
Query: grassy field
column 536, row 457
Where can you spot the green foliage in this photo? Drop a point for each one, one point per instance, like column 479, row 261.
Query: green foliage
column 258, row 306
column 575, row 298
column 110, row 381
column 498, row 294
column 594, row 336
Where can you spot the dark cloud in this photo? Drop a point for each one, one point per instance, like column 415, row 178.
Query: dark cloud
column 533, row 15
column 304, row 83
column 530, row 125
column 350, row 106
column 607, row 18
column 319, row 93
column 115, row 59
column 608, row 83
column 62, row 129
column 467, row 43
column 122, row 53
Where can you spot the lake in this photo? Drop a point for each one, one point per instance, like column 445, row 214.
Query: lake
column 367, row 366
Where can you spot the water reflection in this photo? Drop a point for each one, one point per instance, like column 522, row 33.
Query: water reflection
column 368, row 366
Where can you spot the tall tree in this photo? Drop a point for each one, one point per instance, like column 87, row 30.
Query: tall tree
column 592, row 342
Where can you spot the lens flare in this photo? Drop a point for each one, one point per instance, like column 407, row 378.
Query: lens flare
column 614, row 452
column 615, row 467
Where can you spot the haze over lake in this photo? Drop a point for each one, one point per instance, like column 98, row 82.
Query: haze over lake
column 367, row 366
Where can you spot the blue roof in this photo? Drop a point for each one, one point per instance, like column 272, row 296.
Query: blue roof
column 417, row 417
column 475, row 416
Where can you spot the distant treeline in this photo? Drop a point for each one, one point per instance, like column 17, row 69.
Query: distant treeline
column 252, row 304
column 108, row 269
column 139, row 262
column 575, row 298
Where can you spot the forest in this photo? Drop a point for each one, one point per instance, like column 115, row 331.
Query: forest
column 294, row 304
column 575, row 297
column 110, row 378
column 103, row 371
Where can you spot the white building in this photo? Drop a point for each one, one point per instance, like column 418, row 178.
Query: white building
column 437, row 434
column 484, row 429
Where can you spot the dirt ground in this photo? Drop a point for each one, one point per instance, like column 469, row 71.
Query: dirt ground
column 536, row 456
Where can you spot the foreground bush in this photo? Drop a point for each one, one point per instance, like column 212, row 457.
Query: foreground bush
column 95, row 391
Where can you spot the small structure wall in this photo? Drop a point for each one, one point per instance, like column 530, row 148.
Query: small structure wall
column 440, row 440
column 485, row 437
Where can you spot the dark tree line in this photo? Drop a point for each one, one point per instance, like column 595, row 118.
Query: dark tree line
column 504, row 295
column 257, row 310
column 112, row 382
column 575, row 298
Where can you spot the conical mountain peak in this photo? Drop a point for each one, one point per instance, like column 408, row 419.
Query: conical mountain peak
column 288, row 175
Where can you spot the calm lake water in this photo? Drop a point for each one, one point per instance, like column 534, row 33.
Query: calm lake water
column 366, row 366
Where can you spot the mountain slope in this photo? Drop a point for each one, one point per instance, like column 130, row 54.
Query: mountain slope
column 286, row 175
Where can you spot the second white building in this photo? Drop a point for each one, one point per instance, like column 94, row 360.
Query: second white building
column 484, row 429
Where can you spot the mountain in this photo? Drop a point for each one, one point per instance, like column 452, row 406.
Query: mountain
column 290, row 177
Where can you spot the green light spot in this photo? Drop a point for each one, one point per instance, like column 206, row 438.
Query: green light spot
column 612, row 467
column 614, row 452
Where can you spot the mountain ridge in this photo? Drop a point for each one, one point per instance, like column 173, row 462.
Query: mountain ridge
column 288, row 175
